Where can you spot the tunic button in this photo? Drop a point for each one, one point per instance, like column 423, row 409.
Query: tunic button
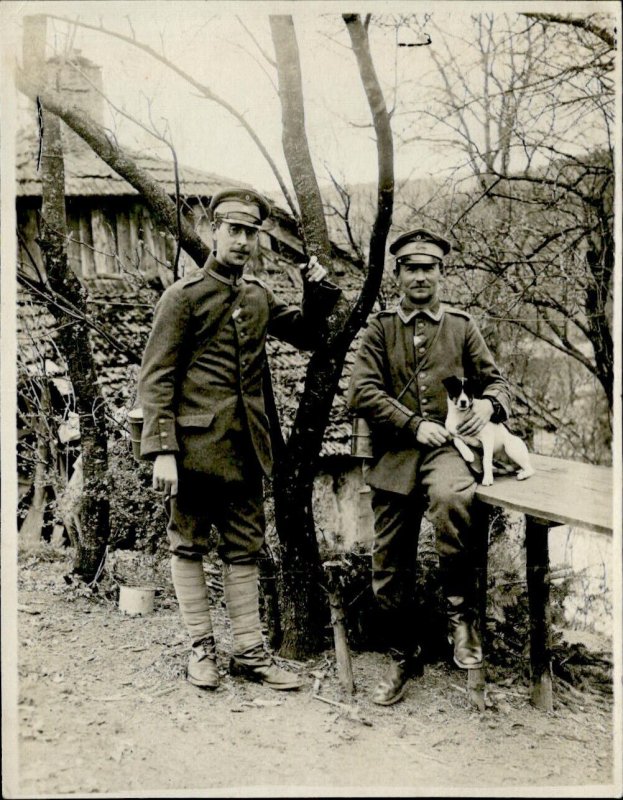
column 422, row 375
column 423, row 388
column 424, row 401
column 422, row 350
column 424, row 413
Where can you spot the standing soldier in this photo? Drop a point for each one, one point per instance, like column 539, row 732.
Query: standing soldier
column 397, row 388
column 206, row 427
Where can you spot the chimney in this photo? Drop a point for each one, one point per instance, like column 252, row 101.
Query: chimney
column 80, row 82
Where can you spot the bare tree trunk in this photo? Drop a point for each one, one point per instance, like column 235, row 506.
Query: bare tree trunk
column 303, row 604
column 72, row 334
column 32, row 526
column 303, row 609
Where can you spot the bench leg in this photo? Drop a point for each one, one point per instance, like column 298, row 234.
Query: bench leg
column 537, row 566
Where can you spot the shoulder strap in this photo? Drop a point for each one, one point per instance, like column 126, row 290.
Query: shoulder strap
column 386, row 316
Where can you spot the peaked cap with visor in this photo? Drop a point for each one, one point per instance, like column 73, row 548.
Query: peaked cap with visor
column 240, row 207
column 419, row 246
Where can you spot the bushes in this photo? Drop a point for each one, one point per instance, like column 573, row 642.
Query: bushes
column 137, row 515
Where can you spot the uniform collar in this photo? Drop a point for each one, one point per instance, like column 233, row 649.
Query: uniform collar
column 223, row 273
column 435, row 312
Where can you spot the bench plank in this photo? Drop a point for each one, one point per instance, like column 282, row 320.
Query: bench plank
column 564, row 492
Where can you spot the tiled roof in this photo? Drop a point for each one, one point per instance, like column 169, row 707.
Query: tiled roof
column 87, row 175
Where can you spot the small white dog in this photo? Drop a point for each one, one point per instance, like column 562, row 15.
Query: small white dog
column 494, row 436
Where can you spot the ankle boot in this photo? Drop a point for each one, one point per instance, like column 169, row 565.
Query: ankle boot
column 257, row 665
column 202, row 669
column 250, row 659
column 463, row 634
column 393, row 685
column 192, row 597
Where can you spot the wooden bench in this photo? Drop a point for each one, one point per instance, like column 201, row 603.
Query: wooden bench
column 560, row 493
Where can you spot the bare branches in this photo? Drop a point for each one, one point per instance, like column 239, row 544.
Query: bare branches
column 203, row 90
column 584, row 23
column 253, row 38
column 65, row 306
column 345, row 215
column 165, row 139
column 533, row 116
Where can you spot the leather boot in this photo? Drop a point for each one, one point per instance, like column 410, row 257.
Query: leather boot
column 257, row 665
column 250, row 659
column 463, row 634
column 393, row 685
column 202, row 670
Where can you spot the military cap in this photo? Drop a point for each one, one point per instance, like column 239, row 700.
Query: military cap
column 239, row 206
column 419, row 242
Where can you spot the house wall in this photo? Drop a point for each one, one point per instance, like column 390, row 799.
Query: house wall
column 588, row 557
column 117, row 236
column 113, row 237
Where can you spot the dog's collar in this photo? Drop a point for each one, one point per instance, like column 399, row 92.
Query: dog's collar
column 434, row 314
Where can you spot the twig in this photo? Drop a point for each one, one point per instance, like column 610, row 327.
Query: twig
column 352, row 712
column 166, row 690
column 332, row 702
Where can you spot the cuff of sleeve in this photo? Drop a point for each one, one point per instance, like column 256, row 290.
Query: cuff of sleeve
column 322, row 296
column 162, row 442
column 499, row 414
column 414, row 423
column 401, row 415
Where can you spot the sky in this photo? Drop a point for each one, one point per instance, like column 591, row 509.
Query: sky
column 221, row 44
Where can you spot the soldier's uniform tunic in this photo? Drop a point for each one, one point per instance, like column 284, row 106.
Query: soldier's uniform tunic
column 417, row 351
column 206, row 404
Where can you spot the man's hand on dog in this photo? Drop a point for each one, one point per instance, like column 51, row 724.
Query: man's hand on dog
column 432, row 434
column 481, row 413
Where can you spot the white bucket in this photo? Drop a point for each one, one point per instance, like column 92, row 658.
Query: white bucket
column 136, row 599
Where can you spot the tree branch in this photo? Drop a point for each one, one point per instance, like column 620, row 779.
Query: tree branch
column 161, row 205
column 584, row 23
column 294, row 138
column 385, row 158
column 204, row 91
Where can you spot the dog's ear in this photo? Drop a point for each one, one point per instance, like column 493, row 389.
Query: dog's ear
column 453, row 385
column 474, row 387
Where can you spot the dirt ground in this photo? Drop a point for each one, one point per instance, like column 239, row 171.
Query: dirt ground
column 103, row 707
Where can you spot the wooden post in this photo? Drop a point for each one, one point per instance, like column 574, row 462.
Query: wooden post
column 537, row 566
column 342, row 653
column 476, row 687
